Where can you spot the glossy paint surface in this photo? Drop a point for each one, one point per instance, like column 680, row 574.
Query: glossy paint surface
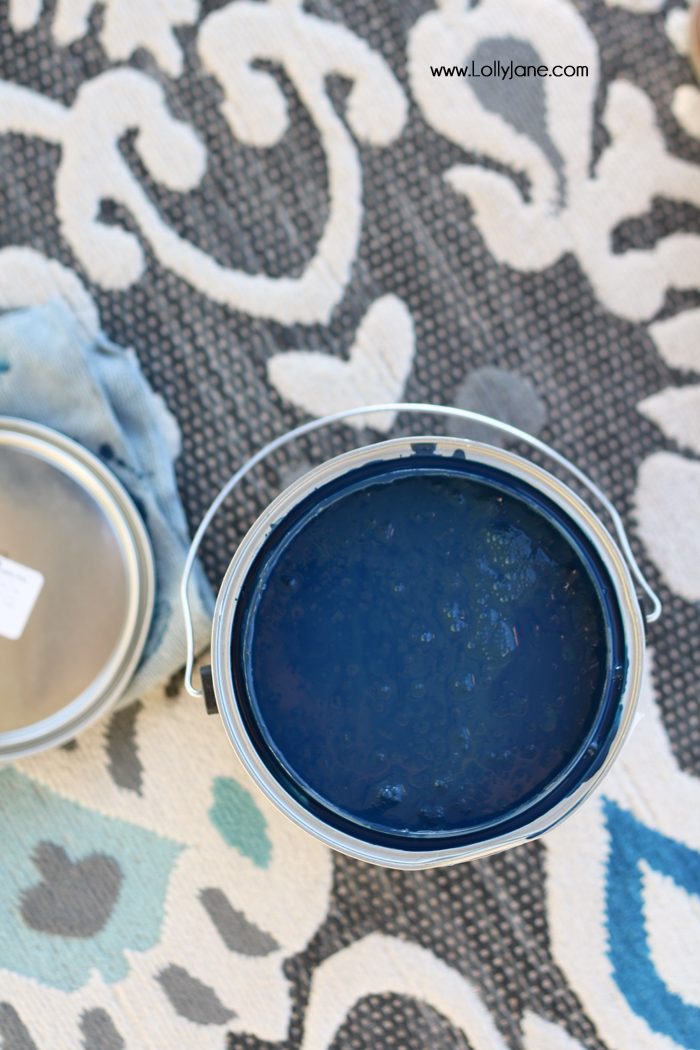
column 425, row 648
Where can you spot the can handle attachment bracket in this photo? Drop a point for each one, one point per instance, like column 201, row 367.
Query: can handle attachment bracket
column 416, row 407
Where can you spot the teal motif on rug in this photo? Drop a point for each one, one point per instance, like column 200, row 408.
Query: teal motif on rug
column 77, row 889
column 238, row 820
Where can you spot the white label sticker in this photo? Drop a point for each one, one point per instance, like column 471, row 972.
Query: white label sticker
column 19, row 590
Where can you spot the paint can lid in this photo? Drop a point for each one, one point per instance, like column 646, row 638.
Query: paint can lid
column 76, row 588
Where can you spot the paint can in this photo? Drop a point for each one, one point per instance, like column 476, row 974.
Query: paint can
column 313, row 764
column 76, row 588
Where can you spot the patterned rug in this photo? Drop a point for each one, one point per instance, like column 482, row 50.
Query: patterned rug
column 287, row 208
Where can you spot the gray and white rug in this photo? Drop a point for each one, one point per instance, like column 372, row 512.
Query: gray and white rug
column 285, row 210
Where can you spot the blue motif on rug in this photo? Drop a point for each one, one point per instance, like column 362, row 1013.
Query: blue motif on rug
column 628, row 947
column 77, row 888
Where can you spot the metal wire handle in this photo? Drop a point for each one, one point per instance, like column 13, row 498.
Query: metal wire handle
column 441, row 410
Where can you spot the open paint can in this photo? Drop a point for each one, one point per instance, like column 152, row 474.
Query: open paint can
column 76, row 588
column 428, row 649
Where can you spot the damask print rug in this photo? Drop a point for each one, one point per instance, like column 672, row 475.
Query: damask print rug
column 290, row 207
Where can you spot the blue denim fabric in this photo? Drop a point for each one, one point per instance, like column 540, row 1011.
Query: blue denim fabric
column 53, row 372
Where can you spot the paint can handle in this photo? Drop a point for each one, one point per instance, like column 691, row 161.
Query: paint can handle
column 442, row 410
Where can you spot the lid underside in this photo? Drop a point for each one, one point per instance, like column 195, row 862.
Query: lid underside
column 76, row 577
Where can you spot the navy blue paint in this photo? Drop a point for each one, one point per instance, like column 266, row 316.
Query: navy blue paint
column 425, row 653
